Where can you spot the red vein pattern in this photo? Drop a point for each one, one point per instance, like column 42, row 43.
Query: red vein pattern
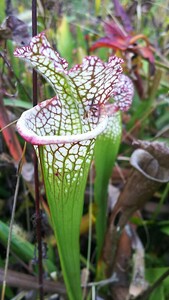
column 78, row 107
column 86, row 85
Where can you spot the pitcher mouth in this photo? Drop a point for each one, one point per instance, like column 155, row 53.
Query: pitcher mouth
column 35, row 139
column 141, row 159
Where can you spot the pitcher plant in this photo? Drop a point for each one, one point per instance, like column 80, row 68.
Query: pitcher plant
column 63, row 131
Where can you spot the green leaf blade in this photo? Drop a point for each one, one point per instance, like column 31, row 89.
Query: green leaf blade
column 106, row 149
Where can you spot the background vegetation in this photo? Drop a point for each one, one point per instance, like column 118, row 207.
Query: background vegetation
column 139, row 34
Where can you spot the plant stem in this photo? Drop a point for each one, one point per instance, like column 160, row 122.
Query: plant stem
column 145, row 295
column 34, row 18
column 36, row 177
column 38, row 227
column 9, row 238
column 11, row 225
column 89, row 233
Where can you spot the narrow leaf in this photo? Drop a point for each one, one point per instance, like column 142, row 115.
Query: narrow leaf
column 65, row 40
column 22, row 248
column 106, row 150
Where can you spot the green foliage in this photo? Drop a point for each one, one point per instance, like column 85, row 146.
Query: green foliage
column 97, row 6
column 162, row 291
column 65, row 41
column 17, row 103
column 2, row 11
column 106, row 150
column 22, row 248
